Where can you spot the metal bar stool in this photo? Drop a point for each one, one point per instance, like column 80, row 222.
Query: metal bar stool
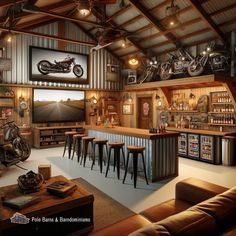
column 68, row 141
column 100, row 143
column 116, row 146
column 77, row 145
column 86, row 140
column 135, row 150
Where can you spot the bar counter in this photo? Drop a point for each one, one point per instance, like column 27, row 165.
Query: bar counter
column 161, row 149
column 201, row 131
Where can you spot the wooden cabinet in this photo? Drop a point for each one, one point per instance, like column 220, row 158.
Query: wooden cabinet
column 45, row 137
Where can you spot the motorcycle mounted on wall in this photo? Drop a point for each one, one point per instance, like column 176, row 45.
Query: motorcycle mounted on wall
column 215, row 58
column 15, row 148
column 177, row 64
column 65, row 66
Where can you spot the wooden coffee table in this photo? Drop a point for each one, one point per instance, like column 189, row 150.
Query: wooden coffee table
column 59, row 216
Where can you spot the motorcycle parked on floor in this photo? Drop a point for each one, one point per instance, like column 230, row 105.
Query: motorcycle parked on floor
column 216, row 60
column 45, row 67
column 15, row 148
column 176, row 65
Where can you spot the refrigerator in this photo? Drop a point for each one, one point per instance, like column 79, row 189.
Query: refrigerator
column 207, row 148
column 183, row 144
column 193, row 146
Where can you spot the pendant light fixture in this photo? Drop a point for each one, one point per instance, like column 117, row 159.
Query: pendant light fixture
column 172, row 15
column 84, row 7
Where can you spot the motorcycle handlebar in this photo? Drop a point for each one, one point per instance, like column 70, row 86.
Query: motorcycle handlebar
column 6, row 124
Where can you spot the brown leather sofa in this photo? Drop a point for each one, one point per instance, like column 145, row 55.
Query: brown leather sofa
column 200, row 208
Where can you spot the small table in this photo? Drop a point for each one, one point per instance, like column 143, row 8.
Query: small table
column 59, row 216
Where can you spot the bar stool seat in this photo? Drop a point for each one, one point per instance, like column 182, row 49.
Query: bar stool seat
column 135, row 150
column 100, row 143
column 77, row 145
column 86, row 140
column 68, row 141
column 116, row 146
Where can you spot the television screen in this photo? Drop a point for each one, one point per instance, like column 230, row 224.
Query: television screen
column 56, row 105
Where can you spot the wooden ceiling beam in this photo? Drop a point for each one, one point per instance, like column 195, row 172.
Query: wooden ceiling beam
column 198, row 8
column 230, row 7
column 113, row 25
column 161, row 44
column 52, row 7
column 131, row 21
column 226, row 23
column 8, row 3
column 47, row 36
column 152, row 20
column 118, row 13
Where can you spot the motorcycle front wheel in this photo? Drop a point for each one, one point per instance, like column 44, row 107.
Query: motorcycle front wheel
column 195, row 68
column 164, row 71
column 21, row 148
column 78, row 71
column 43, row 67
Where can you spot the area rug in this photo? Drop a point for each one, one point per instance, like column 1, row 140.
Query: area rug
column 107, row 211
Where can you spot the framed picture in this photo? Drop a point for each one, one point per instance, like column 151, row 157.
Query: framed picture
column 50, row 65
column 127, row 109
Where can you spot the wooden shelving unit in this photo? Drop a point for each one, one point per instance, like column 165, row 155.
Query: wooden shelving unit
column 46, row 137
column 187, row 83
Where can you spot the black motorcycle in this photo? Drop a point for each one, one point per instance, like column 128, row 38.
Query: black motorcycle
column 15, row 148
column 216, row 60
column 45, row 67
column 176, row 65
column 149, row 73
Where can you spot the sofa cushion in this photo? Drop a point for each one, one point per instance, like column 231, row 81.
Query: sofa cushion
column 165, row 209
column 222, row 207
column 230, row 232
column 124, row 227
column 195, row 191
column 151, row 230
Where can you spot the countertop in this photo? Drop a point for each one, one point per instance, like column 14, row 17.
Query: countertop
column 142, row 133
column 200, row 131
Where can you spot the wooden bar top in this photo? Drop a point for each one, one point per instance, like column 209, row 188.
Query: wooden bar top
column 200, row 131
column 141, row 133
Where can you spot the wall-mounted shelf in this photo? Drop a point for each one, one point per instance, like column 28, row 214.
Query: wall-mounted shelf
column 187, row 83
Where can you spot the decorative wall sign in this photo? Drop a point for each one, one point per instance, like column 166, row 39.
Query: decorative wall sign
column 58, row 66
column 127, row 109
column 146, row 109
column 112, row 72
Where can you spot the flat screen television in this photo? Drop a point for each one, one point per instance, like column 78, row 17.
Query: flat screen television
column 58, row 105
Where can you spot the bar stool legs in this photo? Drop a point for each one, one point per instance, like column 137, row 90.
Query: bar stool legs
column 135, row 150
column 77, row 138
column 100, row 143
column 68, row 142
column 86, row 140
column 116, row 146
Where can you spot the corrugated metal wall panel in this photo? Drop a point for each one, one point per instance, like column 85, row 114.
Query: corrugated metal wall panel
column 18, row 51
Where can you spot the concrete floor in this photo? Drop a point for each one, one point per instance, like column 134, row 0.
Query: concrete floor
column 137, row 199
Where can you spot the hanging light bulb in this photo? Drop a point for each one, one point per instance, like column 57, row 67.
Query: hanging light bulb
column 84, row 7
column 133, row 62
column 123, row 45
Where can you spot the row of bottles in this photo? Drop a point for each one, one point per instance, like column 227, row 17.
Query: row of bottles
column 223, row 108
column 224, row 119
column 221, row 97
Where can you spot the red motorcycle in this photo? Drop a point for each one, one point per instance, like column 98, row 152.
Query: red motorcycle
column 45, row 67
